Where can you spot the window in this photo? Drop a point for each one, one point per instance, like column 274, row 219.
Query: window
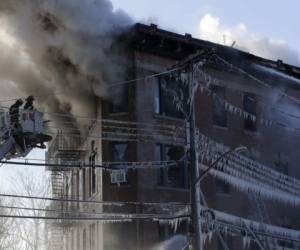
column 119, row 154
column 219, row 111
column 164, row 101
column 175, row 176
column 249, row 105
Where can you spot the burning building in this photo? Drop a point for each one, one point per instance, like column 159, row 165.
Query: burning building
column 141, row 123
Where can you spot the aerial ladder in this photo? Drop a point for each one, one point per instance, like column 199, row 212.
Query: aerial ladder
column 18, row 138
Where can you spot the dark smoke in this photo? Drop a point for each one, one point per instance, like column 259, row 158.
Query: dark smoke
column 63, row 47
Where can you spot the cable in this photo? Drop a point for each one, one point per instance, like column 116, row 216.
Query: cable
column 106, row 165
column 67, row 211
column 107, row 219
column 105, row 203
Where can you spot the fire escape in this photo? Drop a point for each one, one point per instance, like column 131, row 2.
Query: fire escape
column 62, row 151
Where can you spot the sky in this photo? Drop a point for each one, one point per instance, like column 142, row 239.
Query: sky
column 271, row 22
column 268, row 28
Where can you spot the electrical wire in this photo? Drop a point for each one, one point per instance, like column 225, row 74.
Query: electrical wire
column 68, row 210
column 105, row 203
column 109, row 166
column 107, row 219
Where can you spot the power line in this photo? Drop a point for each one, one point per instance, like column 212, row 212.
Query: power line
column 107, row 166
column 67, row 211
column 105, row 203
column 107, row 219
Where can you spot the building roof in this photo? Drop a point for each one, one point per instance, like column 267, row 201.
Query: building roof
column 151, row 39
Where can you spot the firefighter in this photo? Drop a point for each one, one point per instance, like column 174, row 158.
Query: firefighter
column 29, row 103
column 14, row 112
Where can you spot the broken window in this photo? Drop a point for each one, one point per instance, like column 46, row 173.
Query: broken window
column 249, row 105
column 165, row 91
column 219, row 111
column 174, row 176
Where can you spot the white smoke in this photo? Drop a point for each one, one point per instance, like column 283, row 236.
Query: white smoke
column 64, row 47
column 211, row 29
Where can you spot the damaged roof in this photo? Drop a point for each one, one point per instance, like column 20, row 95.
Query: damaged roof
column 151, row 39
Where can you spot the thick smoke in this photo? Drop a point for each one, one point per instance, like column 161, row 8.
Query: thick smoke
column 62, row 47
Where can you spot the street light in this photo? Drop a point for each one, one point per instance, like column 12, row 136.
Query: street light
column 235, row 150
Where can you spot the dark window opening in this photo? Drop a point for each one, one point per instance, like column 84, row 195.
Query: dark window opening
column 164, row 99
column 175, row 176
column 219, row 110
column 249, row 105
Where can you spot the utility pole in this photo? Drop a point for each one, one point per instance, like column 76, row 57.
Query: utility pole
column 194, row 170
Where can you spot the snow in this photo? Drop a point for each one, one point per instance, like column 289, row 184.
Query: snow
column 259, row 228
column 237, row 165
